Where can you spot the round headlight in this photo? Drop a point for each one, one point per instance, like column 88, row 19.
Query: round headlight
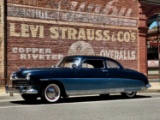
column 28, row 77
column 11, row 77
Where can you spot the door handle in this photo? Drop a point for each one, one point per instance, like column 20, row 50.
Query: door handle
column 105, row 71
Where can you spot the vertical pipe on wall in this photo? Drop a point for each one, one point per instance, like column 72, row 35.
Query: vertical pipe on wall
column 5, row 41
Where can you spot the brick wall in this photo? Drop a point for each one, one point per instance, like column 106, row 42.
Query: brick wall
column 146, row 11
column 39, row 33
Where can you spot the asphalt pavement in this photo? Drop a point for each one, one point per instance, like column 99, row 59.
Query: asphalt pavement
column 145, row 106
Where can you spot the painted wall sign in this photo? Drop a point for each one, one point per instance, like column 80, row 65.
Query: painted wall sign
column 69, row 16
column 115, row 43
column 119, row 54
column 36, row 54
column 71, row 33
column 40, row 32
column 81, row 48
column 109, row 7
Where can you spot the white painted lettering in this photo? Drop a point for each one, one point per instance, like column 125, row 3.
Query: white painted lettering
column 82, row 6
column 23, row 56
column 28, row 50
column 34, row 50
column 73, row 5
column 48, row 51
column 119, row 54
column 14, row 50
column 72, row 32
column 54, row 32
column 13, row 30
column 21, row 50
column 27, row 30
column 24, row 30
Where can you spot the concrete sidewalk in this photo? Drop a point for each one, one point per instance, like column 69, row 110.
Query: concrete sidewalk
column 155, row 87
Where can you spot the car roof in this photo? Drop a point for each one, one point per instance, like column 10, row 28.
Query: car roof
column 93, row 57
column 88, row 56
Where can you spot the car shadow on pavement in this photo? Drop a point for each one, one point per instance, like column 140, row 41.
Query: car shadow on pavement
column 81, row 99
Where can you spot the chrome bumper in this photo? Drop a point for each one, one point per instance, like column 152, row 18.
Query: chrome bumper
column 21, row 90
column 148, row 86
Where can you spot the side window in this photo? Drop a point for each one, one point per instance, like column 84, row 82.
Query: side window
column 69, row 62
column 92, row 64
column 112, row 64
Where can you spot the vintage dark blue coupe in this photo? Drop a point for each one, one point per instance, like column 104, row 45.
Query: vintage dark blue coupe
column 77, row 75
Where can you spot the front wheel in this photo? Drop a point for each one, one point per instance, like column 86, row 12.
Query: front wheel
column 51, row 93
column 129, row 94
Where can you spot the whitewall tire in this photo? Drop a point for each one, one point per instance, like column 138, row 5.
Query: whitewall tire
column 51, row 93
column 129, row 94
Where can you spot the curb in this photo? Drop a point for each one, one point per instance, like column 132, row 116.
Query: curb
column 150, row 91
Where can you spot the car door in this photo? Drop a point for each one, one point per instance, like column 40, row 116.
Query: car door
column 66, row 74
column 91, row 76
column 117, row 80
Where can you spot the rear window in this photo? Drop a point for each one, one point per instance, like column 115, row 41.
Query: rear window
column 112, row 64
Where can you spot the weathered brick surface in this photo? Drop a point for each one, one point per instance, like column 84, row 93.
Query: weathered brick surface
column 2, row 82
column 145, row 12
column 39, row 33
column 75, row 25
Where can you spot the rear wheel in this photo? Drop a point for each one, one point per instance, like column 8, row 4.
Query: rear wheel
column 51, row 93
column 129, row 94
column 29, row 98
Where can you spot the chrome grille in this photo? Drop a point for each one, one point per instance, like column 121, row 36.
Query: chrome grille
column 18, row 83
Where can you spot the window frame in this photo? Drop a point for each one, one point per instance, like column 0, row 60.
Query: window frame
column 64, row 59
column 118, row 64
column 104, row 66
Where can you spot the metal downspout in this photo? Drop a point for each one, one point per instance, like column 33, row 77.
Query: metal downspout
column 5, row 42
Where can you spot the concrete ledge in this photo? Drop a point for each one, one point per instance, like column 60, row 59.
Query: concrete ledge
column 150, row 91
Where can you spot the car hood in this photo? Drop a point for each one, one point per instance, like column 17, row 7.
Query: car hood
column 22, row 72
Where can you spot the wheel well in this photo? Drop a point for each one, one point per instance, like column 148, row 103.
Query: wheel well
column 63, row 92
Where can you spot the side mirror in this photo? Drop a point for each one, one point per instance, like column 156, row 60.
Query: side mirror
column 74, row 66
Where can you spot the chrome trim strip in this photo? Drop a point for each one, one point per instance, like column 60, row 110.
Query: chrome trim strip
column 103, row 91
column 21, row 90
column 18, row 79
column 30, row 91
column 44, row 79
column 148, row 86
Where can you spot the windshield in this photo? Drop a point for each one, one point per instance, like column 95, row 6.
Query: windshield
column 68, row 62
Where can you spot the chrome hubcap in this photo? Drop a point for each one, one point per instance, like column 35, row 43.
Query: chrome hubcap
column 52, row 93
